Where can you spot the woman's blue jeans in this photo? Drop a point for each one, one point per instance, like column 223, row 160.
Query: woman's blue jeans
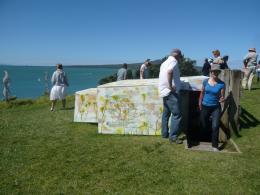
column 171, row 108
column 214, row 112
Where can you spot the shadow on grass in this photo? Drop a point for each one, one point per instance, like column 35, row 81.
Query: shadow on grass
column 70, row 108
column 247, row 120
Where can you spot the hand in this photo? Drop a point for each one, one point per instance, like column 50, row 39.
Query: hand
column 172, row 88
column 222, row 99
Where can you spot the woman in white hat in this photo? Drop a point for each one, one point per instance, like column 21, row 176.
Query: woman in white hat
column 212, row 94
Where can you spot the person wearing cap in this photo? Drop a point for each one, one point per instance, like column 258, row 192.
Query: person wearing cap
column 144, row 70
column 169, row 88
column 60, row 83
column 250, row 62
column 212, row 94
column 122, row 72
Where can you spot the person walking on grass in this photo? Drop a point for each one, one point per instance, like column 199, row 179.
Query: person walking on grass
column 122, row 72
column 60, row 83
column 250, row 62
column 212, row 94
column 169, row 88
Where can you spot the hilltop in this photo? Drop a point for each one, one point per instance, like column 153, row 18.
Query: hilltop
column 45, row 152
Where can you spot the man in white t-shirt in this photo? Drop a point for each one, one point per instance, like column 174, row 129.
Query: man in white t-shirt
column 169, row 88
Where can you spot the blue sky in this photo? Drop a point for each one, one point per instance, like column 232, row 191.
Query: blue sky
column 45, row 32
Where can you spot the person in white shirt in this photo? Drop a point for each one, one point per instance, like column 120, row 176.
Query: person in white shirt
column 144, row 70
column 217, row 58
column 169, row 88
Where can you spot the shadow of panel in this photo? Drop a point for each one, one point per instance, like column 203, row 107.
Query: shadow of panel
column 247, row 120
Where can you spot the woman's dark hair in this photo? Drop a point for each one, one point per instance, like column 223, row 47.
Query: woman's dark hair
column 59, row 66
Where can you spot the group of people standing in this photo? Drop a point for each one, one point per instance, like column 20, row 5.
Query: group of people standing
column 251, row 67
column 222, row 61
column 143, row 71
column 212, row 94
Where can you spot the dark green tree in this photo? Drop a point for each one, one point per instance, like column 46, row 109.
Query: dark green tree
column 108, row 79
column 137, row 72
column 154, row 70
column 187, row 67
column 129, row 74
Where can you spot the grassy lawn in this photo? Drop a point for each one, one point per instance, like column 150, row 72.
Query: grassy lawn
column 43, row 152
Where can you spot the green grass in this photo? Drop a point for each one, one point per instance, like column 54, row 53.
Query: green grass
column 43, row 152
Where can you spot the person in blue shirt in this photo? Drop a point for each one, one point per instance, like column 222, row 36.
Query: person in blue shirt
column 212, row 94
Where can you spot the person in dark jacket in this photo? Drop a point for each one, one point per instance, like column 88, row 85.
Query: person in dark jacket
column 206, row 67
column 224, row 64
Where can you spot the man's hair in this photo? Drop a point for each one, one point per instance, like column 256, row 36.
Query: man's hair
column 59, row 66
column 176, row 51
column 125, row 65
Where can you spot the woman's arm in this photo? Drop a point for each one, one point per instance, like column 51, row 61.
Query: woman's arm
column 201, row 97
column 142, row 72
column 53, row 79
column 222, row 95
column 66, row 80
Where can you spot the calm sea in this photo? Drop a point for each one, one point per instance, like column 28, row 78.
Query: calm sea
column 28, row 81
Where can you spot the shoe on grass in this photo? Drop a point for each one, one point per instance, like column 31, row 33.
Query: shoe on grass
column 215, row 149
column 177, row 141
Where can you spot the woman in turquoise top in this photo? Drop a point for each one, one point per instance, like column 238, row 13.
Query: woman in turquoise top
column 212, row 94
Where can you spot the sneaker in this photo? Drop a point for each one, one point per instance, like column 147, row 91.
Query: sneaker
column 51, row 109
column 215, row 149
column 177, row 141
column 165, row 137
